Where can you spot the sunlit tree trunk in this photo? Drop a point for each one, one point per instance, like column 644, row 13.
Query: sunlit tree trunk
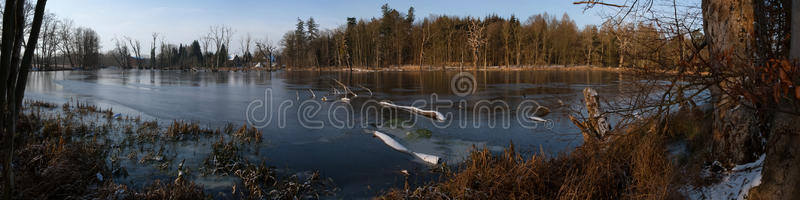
column 721, row 28
column 794, row 48
column 729, row 28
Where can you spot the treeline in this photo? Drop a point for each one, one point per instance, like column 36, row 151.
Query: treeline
column 62, row 44
column 393, row 39
column 398, row 39
column 211, row 51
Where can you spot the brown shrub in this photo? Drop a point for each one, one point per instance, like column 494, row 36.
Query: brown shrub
column 40, row 104
column 156, row 190
column 58, row 169
column 225, row 158
column 633, row 166
column 180, row 130
column 262, row 181
column 248, row 135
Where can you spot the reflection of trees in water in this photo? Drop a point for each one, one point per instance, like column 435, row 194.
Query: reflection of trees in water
column 423, row 83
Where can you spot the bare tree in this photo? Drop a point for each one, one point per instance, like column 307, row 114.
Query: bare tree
column 475, row 39
column 136, row 47
column 121, row 54
column 205, row 41
column 153, row 51
column 14, row 74
column 66, row 36
column 342, row 56
column 425, row 29
column 48, row 43
column 266, row 50
column 87, row 46
column 244, row 43
column 622, row 32
column 221, row 36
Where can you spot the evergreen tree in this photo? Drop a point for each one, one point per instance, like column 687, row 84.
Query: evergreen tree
column 196, row 52
column 298, row 43
column 222, row 56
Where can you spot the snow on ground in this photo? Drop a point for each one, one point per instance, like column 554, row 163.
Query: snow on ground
column 734, row 185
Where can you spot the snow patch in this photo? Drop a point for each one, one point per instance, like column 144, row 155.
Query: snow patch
column 399, row 147
column 734, row 185
column 538, row 119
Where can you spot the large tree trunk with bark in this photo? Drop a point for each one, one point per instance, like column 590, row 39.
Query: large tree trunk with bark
column 729, row 29
column 730, row 26
column 780, row 177
column 794, row 48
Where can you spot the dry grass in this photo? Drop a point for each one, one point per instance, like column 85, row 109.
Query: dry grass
column 180, row 130
column 156, row 190
column 225, row 158
column 86, row 108
column 41, row 104
column 633, row 166
column 66, row 156
column 248, row 135
column 261, row 181
column 57, row 169
column 147, row 131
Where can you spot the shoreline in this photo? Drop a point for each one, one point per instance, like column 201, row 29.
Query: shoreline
column 412, row 68
column 407, row 68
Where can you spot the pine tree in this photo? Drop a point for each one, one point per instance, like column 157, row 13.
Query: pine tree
column 222, row 56
column 196, row 52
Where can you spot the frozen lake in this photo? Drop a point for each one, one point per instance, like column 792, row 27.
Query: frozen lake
column 302, row 133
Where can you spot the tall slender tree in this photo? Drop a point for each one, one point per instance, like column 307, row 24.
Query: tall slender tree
column 14, row 74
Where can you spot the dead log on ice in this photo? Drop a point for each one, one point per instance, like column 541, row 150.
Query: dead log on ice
column 596, row 127
column 427, row 113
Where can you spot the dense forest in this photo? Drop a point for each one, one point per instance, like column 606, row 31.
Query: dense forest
column 398, row 39
column 395, row 39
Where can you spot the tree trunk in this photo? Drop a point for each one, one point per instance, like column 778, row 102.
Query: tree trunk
column 8, row 41
column 14, row 76
column 794, row 48
column 729, row 28
column 780, row 177
column 596, row 126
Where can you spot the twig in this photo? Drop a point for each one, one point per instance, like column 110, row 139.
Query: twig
column 595, row 2
column 368, row 90
column 346, row 89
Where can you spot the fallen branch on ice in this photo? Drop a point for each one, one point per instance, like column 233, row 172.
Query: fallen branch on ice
column 368, row 90
column 428, row 113
column 346, row 89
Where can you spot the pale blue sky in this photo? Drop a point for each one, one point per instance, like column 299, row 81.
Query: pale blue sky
column 186, row 20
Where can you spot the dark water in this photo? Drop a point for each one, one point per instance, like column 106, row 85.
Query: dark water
column 306, row 134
